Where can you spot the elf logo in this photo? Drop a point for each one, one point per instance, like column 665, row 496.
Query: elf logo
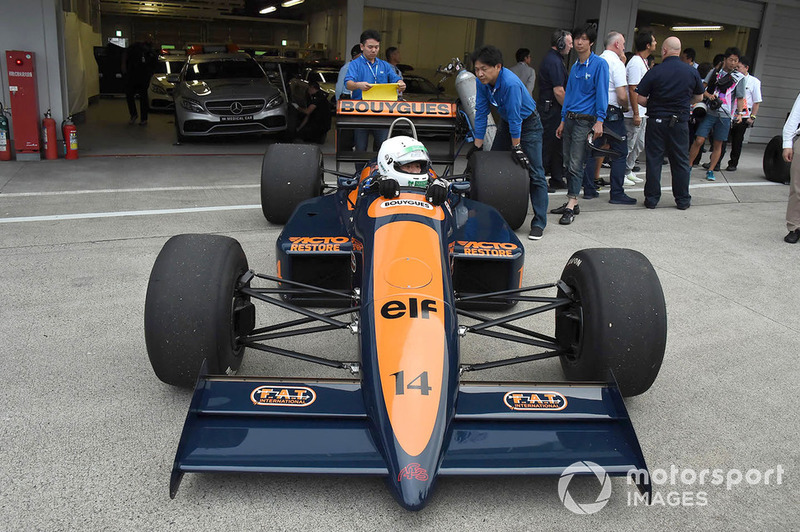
column 391, row 310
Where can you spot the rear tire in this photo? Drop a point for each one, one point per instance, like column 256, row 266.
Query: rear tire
column 775, row 168
column 190, row 308
column 290, row 174
column 498, row 181
column 618, row 322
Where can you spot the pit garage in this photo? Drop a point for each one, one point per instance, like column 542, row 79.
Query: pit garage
column 89, row 434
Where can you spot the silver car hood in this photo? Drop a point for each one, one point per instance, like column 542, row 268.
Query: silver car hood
column 232, row 88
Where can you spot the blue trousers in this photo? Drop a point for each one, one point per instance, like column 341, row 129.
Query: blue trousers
column 531, row 142
column 574, row 141
column 660, row 139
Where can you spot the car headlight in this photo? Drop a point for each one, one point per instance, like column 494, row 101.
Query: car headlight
column 274, row 102
column 192, row 105
column 158, row 89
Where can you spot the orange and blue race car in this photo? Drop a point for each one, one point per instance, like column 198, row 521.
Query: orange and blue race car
column 411, row 282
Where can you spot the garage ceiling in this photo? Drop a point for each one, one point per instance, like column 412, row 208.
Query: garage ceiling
column 215, row 9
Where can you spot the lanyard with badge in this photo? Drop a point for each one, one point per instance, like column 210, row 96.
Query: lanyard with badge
column 491, row 97
column 586, row 64
column 373, row 72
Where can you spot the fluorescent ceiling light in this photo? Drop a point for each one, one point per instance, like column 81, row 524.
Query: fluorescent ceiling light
column 270, row 9
column 290, row 3
column 697, row 28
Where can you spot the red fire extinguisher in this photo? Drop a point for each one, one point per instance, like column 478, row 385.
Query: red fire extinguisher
column 49, row 134
column 5, row 137
column 70, row 138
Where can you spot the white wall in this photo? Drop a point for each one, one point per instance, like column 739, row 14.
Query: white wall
column 36, row 26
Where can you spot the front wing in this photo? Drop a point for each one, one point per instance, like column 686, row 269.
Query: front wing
column 252, row 424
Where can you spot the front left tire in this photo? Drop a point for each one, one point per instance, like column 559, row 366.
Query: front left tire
column 193, row 310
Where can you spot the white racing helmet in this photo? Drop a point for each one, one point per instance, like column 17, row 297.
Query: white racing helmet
column 398, row 151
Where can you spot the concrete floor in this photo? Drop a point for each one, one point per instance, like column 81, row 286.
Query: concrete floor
column 88, row 434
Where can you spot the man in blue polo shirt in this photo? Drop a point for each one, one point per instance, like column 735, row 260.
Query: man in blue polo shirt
column 668, row 91
column 584, row 112
column 362, row 74
column 519, row 130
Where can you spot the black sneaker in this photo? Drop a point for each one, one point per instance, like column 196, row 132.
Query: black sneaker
column 556, row 184
column 536, row 233
column 623, row 200
column 637, row 168
column 563, row 208
column 792, row 237
column 706, row 165
column 730, row 168
column 567, row 217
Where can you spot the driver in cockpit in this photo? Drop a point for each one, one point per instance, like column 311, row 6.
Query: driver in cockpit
column 404, row 162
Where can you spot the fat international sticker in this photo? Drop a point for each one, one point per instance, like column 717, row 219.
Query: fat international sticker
column 283, row 396
column 535, row 401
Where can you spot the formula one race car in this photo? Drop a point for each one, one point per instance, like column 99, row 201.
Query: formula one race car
column 412, row 281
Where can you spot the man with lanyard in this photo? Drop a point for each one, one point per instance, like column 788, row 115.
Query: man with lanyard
column 552, row 83
column 584, row 112
column 363, row 73
column 635, row 119
column 668, row 91
column 519, row 130
column 724, row 93
column 617, row 104
column 752, row 101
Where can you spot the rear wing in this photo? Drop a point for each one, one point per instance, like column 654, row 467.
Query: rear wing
column 430, row 118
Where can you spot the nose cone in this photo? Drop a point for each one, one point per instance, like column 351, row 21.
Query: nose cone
column 413, row 487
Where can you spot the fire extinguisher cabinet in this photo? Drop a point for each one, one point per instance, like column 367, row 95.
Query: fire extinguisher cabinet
column 24, row 104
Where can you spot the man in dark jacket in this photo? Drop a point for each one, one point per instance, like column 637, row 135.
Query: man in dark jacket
column 138, row 65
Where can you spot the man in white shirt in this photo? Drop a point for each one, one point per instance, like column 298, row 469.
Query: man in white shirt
column 635, row 119
column 524, row 70
column 752, row 91
column 790, row 138
column 617, row 105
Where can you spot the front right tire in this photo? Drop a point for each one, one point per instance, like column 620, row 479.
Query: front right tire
column 618, row 321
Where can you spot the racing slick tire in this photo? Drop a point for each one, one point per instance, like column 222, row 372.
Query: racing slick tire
column 498, row 181
column 192, row 310
column 290, row 174
column 618, row 320
column 775, row 168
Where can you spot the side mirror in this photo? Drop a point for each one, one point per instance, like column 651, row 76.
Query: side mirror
column 173, row 78
column 460, row 187
column 347, row 183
